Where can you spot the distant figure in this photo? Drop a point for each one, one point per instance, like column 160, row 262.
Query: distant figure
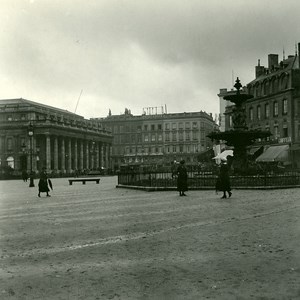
column 174, row 168
column 24, row 175
column 43, row 183
column 182, row 179
column 223, row 181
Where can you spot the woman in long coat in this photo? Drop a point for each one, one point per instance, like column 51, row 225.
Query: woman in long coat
column 43, row 183
column 223, row 181
column 182, row 179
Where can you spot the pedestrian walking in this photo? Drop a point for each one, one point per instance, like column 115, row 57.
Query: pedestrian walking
column 182, row 179
column 24, row 175
column 223, row 181
column 43, row 183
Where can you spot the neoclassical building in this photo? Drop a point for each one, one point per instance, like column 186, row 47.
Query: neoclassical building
column 33, row 135
column 159, row 139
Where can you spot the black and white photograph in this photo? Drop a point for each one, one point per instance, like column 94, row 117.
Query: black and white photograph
column 149, row 150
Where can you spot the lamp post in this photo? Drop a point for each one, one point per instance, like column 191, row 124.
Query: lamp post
column 30, row 134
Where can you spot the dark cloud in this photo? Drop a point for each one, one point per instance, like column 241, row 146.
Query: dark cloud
column 138, row 53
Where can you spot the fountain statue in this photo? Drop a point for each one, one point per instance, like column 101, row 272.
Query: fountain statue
column 240, row 137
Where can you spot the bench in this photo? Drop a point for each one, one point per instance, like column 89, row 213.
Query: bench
column 83, row 180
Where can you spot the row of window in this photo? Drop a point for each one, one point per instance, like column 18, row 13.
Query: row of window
column 277, row 133
column 157, row 127
column 181, row 125
column 266, row 112
column 269, row 86
column 187, row 136
column 159, row 149
column 11, row 143
column 169, row 136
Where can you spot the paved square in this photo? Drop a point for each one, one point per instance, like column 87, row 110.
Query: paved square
column 95, row 241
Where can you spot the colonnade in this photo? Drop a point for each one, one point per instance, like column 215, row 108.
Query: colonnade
column 66, row 154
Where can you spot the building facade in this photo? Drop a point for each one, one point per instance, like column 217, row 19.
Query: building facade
column 33, row 135
column 159, row 139
column 223, row 104
column 276, row 104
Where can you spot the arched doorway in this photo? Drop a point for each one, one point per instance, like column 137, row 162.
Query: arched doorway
column 10, row 162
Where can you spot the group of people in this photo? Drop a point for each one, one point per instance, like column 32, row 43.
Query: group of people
column 222, row 183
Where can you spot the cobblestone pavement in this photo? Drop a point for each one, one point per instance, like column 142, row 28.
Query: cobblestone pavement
column 94, row 241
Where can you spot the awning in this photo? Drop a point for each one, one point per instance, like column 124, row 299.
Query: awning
column 254, row 149
column 275, row 153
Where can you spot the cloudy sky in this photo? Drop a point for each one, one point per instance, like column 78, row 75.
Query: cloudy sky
column 138, row 53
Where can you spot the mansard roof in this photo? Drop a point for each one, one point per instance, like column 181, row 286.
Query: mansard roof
column 291, row 63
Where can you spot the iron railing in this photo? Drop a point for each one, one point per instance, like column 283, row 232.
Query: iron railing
column 207, row 180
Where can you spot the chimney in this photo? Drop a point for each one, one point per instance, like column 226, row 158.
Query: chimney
column 299, row 55
column 222, row 91
column 272, row 61
column 259, row 70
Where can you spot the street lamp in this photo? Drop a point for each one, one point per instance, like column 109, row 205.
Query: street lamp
column 30, row 134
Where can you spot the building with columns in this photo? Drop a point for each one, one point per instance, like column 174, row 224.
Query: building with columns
column 34, row 135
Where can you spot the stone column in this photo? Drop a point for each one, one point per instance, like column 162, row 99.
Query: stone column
column 69, row 163
column 101, row 155
column 107, row 151
column 97, row 155
column 75, row 155
column 81, row 156
column 110, row 156
column 34, row 154
column 87, row 155
column 63, row 162
column 92, row 153
column 28, row 154
column 48, row 152
column 55, row 153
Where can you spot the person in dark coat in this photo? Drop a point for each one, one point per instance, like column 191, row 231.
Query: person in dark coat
column 182, row 179
column 43, row 183
column 24, row 175
column 223, row 181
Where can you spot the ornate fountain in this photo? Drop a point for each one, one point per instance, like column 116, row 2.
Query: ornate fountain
column 240, row 137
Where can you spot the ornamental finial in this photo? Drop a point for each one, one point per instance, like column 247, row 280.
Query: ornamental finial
column 237, row 84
